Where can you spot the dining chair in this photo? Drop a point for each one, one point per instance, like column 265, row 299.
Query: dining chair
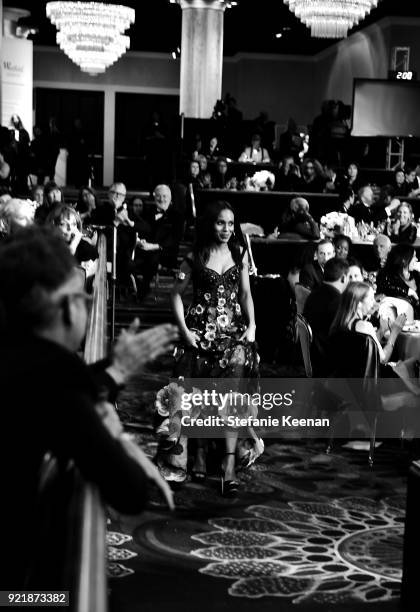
column 301, row 293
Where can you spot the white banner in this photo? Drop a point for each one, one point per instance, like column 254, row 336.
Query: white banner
column 16, row 81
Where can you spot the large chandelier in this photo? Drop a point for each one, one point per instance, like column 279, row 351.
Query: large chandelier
column 330, row 18
column 91, row 33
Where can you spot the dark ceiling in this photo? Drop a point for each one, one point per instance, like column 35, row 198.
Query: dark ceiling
column 249, row 27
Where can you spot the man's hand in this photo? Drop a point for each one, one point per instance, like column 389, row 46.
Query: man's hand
column 122, row 217
column 146, row 246
column 75, row 241
column 133, row 350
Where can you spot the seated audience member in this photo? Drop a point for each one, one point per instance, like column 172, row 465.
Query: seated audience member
column 203, row 162
column 136, row 214
column 387, row 197
column 321, row 307
column 400, row 278
column 402, row 228
column 346, row 199
column 365, row 210
column 67, row 220
column 297, row 219
column 113, row 211
column 4, row 172
column 86, row 204
column 255, row 153
column 411, row 181
column 221, row 177
column 312, row 180
column 342, row 246
column 381, row 248
column 204, row 176
column 213, row 151
column 288, row 176
column 291, row 142
column 357, row 303
column 351, row 179
column 55, row 403
column 333, row 182
column 400, row 185
column 15, row 214
column 355, row 274
column 162, row 245
column 52, row 197
column 312, row 274
column 38, row 195
column 193, row 174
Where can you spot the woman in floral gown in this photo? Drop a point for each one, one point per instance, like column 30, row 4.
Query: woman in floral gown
column 218, row 331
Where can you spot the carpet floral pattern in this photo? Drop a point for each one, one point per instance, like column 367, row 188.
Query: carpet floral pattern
column 349, row 549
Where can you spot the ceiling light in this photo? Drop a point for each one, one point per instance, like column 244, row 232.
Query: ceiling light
column 91, row 33
column 330, row 18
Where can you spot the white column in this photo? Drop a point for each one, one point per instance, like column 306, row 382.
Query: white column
column 201, row 56
column 109, row 136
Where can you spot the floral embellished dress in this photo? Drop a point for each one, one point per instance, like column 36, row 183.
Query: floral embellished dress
column 216, row 316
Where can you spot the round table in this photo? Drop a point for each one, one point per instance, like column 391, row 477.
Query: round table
column 407, row 345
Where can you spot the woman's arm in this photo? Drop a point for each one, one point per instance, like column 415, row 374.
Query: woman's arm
column 245, row 299
column 384, row 352
column 181, row 283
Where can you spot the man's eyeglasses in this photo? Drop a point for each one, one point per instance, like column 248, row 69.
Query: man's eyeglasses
column 118, row 193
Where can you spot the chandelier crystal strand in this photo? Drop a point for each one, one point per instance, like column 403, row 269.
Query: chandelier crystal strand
column 91, row 33
column 330, row 18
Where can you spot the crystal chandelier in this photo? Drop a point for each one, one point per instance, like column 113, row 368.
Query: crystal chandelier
column 330, row 18
column 91, row 33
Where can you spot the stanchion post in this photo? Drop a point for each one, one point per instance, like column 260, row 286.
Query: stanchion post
column 113, row 280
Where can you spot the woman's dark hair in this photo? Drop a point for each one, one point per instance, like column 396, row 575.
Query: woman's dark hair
column 353, row 163
column 398, row 259
column 80, row 204
column 345, row 194
column 342, row 238
column 205, row 237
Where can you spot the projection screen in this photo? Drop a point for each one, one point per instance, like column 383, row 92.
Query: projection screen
column 386, row 108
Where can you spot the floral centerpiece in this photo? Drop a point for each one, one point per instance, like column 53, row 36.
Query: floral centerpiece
column 260, row 181
column 338, row 223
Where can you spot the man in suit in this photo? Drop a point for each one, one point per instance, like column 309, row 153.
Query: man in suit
column 162, row 245
column 312, row 274
column 377, row 259
column 321, row 308
column 52, row 402
column 365, row 210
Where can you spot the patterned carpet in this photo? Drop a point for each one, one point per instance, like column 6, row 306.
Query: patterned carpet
column 308, row 529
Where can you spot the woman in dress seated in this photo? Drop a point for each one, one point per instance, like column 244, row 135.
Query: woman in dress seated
column 399, row 277
column 403, row 228
column 357, row 304
column 218, row 331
